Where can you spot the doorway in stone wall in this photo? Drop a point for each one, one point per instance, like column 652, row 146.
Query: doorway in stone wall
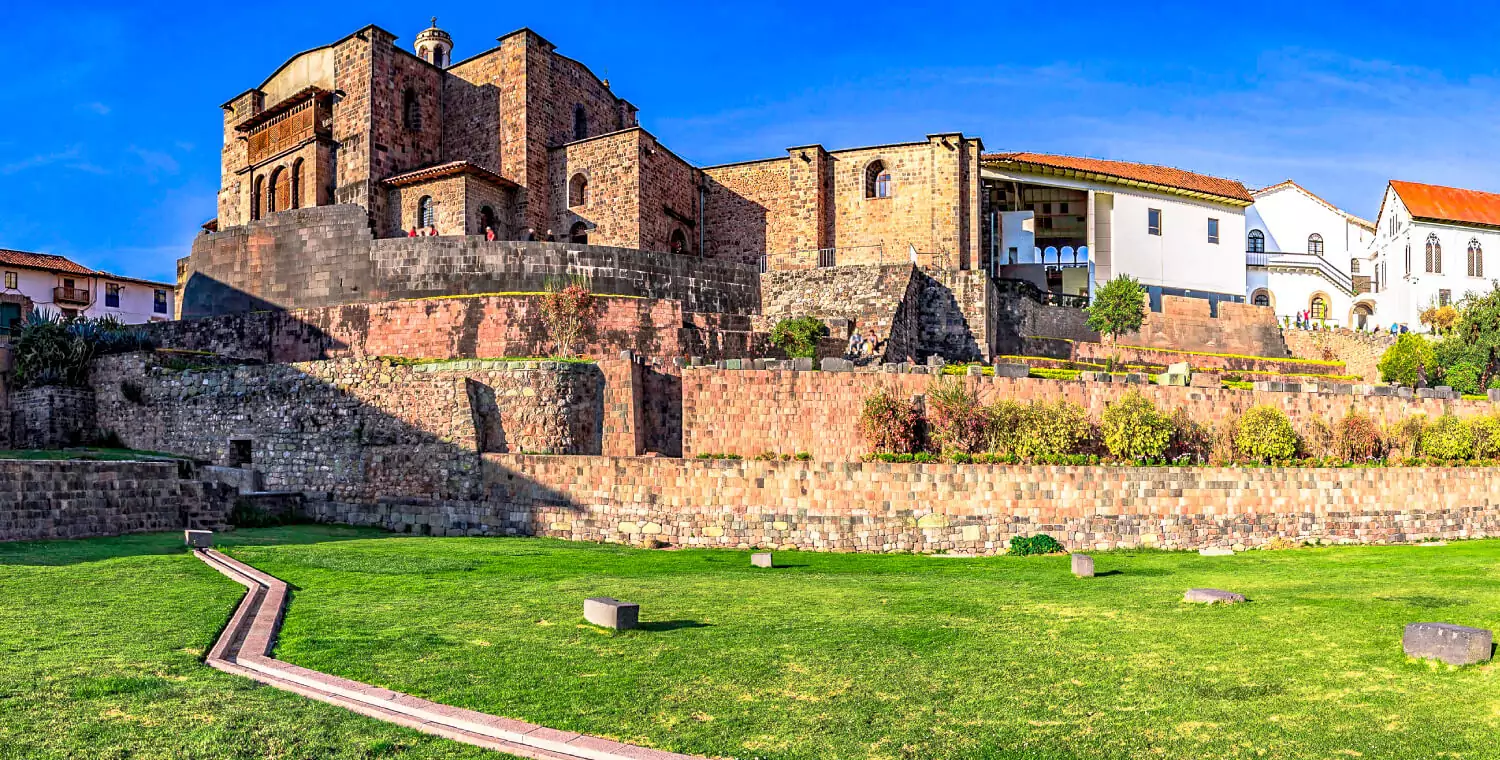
column 240, row 452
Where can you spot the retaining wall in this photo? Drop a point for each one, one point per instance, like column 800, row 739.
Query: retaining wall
column 41, row 500
column 52, row 417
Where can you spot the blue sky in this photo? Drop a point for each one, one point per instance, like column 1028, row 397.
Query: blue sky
column 110, row 136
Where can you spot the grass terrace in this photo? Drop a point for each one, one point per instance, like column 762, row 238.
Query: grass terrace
column 828, row 656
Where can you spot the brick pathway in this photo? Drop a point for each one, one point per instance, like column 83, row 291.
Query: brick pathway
column 245, row 647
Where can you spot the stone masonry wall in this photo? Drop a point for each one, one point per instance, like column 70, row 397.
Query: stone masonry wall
column 878, row 507
column 357, row 429
column 1359, row 351
column 52, row 418
column 747, row 412
column 45, row 500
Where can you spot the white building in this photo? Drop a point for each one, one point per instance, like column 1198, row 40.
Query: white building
column 1177, row 232
column 1430, row 248
column 1305, row 255
column 60, row 286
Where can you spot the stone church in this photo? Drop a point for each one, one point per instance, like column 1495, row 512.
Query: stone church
column 526, row 144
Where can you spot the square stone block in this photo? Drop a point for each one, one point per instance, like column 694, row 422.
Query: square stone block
column 1180, row 368
column 198, row 539
column 614, row 614
column 832, row 364
column 1212, row 596
column 1494, row 394
column 1007, row 369
column 975, row 370
column 1207, row 380
column 1083, row 566
column 802, row 364
column 1216, row 551
column 761, row 559
column 1453, row 644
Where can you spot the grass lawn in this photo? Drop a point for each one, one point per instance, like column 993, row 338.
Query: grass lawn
column 88, row 454
column 833, row 656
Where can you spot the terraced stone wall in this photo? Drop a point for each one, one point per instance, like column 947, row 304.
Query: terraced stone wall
column 41, row 500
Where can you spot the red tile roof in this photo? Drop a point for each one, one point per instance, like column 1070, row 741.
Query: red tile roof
column 44, row 261
column 1449, row 204
column 1162, row 176
column 445, row 170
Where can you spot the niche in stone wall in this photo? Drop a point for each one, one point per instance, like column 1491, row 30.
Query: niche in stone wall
column 489, row 431
column 240, row 452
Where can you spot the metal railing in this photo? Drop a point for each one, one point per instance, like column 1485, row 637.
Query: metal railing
column 1309, row 261
column 823, row 258
column 1028, row 289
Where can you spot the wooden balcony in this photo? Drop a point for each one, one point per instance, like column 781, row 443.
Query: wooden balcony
column 71, row 295
column 310, row 118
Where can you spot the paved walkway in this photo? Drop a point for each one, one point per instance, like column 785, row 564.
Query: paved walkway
column 245, row 649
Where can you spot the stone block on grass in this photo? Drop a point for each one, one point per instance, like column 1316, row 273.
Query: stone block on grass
column 198, row 539
column 1453, row 644
column 1083, row 566
column 1009, row 369
column 1216, row 551
column 761, row 559
column 614, row 614
column 1212, row 596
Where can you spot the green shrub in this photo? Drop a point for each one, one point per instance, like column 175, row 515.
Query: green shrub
column 798, row 337
column 1405, row 437
column 889, row 424
column 1133, row 428
column 956, row 420
column 1399, row 363
column 1486, row 436
column 1041, row 543
column 50, row 350
column 1464, row 378
column 1119, row 307
column 1004, row 426
column 1266, row 435
column 1357, row 438
column 1448, row 438
column 1051, row 430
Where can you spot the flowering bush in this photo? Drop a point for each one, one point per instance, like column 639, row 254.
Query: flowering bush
column 1266, row 435
column 1448, row 438
column 1486, row 436
column 889, row 424
column 1318, row 439
column 566, row 307
column 1051, row 430
column 957, row 422
column 1357, row 438
column 1134, row 429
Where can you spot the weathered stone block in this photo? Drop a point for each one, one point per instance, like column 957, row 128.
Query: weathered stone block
column 1207, row 380
column 1168, row 378
column 198, row 539
column 975, row 370
column 607, row 612
column 1008, row 369
column 761, row 559
column 1212, row 596
column 1453, row 644
column 1494, row 394
column 1083, row 566
column 1216, row 551
column 832, row 364
column 1179, row 368
column 803, row 364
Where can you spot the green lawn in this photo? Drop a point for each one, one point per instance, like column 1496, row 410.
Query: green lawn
column 834, row 656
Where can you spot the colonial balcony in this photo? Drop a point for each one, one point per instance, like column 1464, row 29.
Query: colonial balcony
column 71, row 295
column 288, row 128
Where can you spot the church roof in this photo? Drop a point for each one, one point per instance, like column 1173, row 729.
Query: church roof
column 449, row 169
column 45, row 261
column 1164, row 177
column 1449, row 204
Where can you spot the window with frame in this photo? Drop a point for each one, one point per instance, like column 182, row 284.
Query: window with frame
column 1153, row 221
column 580, row 122
column 578, row 190
column 1445, row 297
column 1255, row 242
column 1434, row 255
column 1315, row 244
column 1408, row 258
column 1319, row 307
column 12, row 281
column 426, row 213
column 877, row 180
column 112, row 295
column 159, row 301
column 1353, row 266
column 411, row 110
column 1476, row 259
column 1262, row 298
column 1213, row 231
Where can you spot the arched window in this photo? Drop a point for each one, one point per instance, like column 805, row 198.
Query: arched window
column 580, row 122
column 275, row 192
column 678, row 242
column 1318, row 307
column 1434, row 255
column 579, row 233
column 1476, row 259
column 877, row 180
column 1261, row 298
column 426, row 213
column 1353, row 266
column 1255, row 242
column 295, row 197
column 256, row 188
column 1315, row 244
column 411, row 111
column 578, row 191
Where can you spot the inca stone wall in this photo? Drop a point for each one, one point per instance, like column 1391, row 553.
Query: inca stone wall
column 747, row 412
column 1360, row 352
column 878, row 507
column 42, row 500
column 355, row 429
column 52, row 418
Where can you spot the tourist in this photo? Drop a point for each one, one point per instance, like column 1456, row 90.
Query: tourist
column 432, row 230
column 1421, row 375
column 489, row 233
column 853, row 349
column 413, row 232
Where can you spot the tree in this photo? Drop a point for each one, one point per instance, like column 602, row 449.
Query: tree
column 798, row 337
column 1473, row 341
column 1400, row 362
column 565, row 307
column 1119, row 307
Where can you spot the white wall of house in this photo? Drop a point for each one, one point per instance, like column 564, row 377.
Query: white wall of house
column 1289, row 217
column 1410, row 290
column 137, row 302
column 1180, row 257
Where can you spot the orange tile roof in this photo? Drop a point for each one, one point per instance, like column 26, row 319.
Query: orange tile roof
column 1449, row 204
column 1163, row 176
column 447, row 170
column 45, row 261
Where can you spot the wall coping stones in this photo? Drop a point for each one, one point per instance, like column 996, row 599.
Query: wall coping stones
column 244, row 649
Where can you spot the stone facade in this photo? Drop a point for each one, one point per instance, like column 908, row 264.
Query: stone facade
column 877, row 507
column 52, row 417
column 747, row 412
column 48, row 500
column 1359, row 351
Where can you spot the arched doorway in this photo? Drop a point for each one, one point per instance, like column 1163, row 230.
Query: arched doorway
column 1317, row 307
column 488, row 221
column 1361, row 315
column 578, row 234
column 1262, row 297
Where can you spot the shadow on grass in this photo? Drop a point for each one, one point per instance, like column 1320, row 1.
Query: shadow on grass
column 662, row 626
column 1108, row 573
column 62, row 552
